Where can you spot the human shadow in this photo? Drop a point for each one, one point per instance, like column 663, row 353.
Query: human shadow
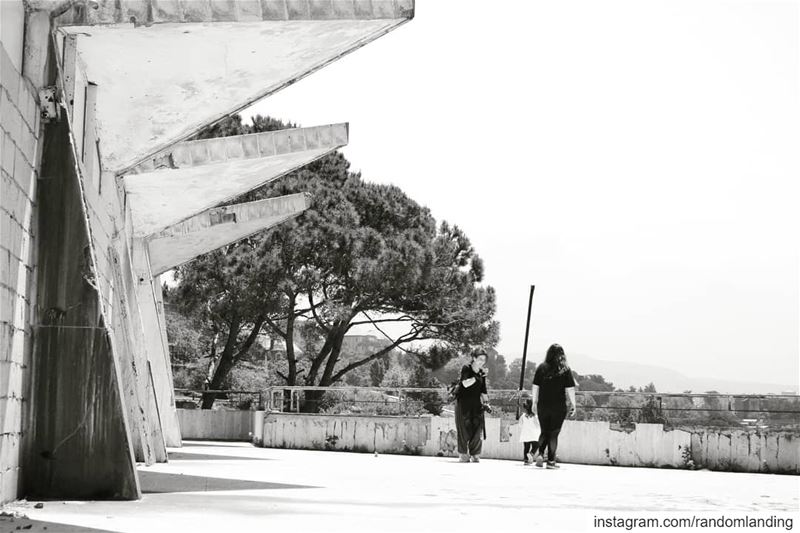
column 161, row 483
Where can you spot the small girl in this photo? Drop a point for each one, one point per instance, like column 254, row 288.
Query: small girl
column 529, row 431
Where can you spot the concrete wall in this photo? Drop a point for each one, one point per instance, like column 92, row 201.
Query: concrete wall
column 19, row 128
column 649, row 445
column 217, row 424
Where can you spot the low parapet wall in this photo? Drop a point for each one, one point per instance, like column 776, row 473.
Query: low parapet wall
column 208, row 424
column 648, row 445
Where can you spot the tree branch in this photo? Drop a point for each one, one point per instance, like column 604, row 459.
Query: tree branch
column 325, row 327
column 251, row 338
column 275, row 327
column 405, row 318
column 380, row 353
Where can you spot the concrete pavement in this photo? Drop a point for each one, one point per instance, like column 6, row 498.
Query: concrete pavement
column 220, row 487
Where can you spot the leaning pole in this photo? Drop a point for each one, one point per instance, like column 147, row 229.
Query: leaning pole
column 525, row 346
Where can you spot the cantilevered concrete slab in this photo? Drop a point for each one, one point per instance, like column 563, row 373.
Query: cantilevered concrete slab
column 199, row 175
column 218, row 227
column 159, row 84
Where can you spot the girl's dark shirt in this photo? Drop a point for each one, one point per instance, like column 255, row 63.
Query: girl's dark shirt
column 470, row 397
column 552, row 388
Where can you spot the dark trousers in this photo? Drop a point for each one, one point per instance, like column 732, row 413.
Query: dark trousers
column 469, row 426
column 551, row 422
column 530, row 446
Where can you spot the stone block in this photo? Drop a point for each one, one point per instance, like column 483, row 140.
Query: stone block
column 27, row 145
column 167, row 11
column 135, row 11
column 283, row 142
column 23, row 169
column 249, row 10
column 383, row 9
column 223, row 10
column 12, row 121
column 363, row 9
column 9, row 451
column 9, row 77
column 259, row 144
column 297, row 9
column 199, row 153
column 342, row 10
column 10, row 233
column 11, row 410
column 197, row 11
column 102, row 12
column 788, row 453
column 182, row 155
column 9, row 154
column 234, row 148
column 274, row 10
column 10, row 484
column 27, row 105
column 217, row 150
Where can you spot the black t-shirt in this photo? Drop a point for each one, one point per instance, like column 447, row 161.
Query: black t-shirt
column 470, row 397
column 552, row 389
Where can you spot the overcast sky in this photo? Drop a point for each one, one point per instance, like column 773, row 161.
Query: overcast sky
column 637, row 161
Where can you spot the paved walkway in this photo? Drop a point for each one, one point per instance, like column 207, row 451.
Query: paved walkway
column 226, row 487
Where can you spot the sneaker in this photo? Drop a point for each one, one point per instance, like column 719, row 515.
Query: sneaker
column 463, row 458
column 552, row 465
column 475, row 459
column 539, row 460
column 527, row 462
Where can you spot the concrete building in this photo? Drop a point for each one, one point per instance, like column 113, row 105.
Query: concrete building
column 102, row 192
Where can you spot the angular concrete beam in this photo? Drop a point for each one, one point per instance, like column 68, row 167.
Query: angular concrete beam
column 199, row 175
column 219, row 227
column 147, row 12
column 252, row 146
column 151, row 314
column 159, row 85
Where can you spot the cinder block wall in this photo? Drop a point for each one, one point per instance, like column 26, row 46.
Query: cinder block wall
column 20, row 134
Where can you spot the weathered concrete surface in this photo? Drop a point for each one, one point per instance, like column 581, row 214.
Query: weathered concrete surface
column 78, row 441
column 213, row 487
column 147, row 288
column 218, row 227
column 159, row 85
column 71, row 269
column 19, row 144
column 649, row 445
column 165, row 197
column 204, row 174
column 147, row 12
column 216, row 424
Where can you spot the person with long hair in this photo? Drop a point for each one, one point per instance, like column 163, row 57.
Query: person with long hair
column 471, row 398
column 553, row 384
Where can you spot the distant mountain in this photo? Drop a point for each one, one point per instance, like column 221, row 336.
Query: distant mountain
column 624, row 375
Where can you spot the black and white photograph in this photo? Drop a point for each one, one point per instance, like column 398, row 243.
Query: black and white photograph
column 399, row 266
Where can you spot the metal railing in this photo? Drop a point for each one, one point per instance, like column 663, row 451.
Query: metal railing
column 622, row 408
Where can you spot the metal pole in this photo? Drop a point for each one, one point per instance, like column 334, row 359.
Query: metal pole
column 525, row 346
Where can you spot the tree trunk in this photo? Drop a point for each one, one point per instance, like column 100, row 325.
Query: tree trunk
column 291, row 378
column 223, row 366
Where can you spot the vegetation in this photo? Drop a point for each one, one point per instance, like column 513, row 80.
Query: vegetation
column 363, row 254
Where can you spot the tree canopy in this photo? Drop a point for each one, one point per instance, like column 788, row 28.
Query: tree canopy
column 363, row 254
